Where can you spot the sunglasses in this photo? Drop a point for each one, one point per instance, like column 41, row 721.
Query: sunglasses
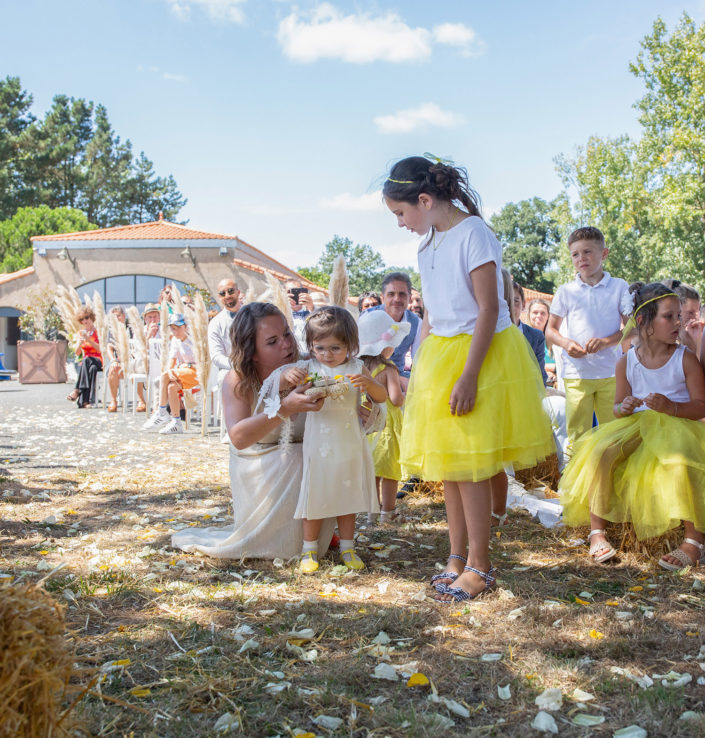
column 229, row 291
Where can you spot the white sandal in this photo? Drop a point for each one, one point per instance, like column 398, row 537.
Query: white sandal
column 501, row 520
column 683, row 557
column 606, row 546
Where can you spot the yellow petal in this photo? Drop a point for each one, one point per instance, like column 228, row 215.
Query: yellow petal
column 140, row 692
column 612, row 603
column 596, row 635
column 581, row 602
column 158, row 590
column 418, row 680
column 638, row 588
column 43, row 553
column 121, row 662
column 692, row 633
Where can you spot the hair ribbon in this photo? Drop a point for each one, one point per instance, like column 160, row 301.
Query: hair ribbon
column 438, row 159
column 630, row 325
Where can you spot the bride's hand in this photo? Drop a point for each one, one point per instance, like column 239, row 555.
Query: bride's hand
column 298, row 402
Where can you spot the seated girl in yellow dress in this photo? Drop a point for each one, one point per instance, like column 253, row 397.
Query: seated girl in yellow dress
column 646, row 467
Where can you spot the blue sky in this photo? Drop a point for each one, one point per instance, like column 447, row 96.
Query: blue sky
column 279, row 120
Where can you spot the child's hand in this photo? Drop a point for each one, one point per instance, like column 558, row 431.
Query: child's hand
column 593, row 345
column 294, row 376
column 660, row 403
column 360, row 381
column 629, row 404
column 575, row 350
column 463, row 395
column 694, row 329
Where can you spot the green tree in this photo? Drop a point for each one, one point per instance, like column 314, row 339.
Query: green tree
column 531, row 234
column 146, row 194
column 15, row 233
column 15, row 120
column 73, row 158
column 365, row 266
column 648, row 194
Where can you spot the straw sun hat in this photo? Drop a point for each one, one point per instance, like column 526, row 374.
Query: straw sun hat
column 379, row 331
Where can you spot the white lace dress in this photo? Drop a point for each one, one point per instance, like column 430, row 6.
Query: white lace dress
column 338, row 471
column 265, row 480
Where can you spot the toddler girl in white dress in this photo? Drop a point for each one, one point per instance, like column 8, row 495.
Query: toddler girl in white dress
column 338, row 475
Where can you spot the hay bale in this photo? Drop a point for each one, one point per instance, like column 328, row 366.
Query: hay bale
column 545, row 474
column 622, row 536
column 36, row 662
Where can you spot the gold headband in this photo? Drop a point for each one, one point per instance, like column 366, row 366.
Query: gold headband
column 400, row 181
column 631, row 323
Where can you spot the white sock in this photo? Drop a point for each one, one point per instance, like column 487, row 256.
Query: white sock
column 346, row 545
column 309, row 546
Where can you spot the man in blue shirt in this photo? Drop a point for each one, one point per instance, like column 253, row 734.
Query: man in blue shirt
column 396, row 293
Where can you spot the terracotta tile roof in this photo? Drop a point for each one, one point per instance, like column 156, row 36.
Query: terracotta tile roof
column 281, row 276
column 530, row 295
column 157, row 229
column 26, row 272
column 313, row 287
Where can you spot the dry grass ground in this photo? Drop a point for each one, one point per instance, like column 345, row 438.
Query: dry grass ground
column 172, row 642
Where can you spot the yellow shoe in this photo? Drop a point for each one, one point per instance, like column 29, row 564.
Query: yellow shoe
column 308, row 563
column 352, row 560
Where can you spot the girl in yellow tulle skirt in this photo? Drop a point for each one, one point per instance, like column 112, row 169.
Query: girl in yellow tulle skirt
column 474, row 398
column 646, row 467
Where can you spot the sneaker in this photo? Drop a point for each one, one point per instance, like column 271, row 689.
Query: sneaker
column 174, row 426
column 352, row 560
column 160, row 417
column 308, row 562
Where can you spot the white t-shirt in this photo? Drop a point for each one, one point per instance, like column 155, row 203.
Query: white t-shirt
column 182, row 351
column 448, row 294
column 592, row 311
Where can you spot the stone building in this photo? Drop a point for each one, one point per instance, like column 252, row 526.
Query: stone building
column 129, row 265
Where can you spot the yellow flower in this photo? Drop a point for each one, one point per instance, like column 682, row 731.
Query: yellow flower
column 418, row 680
column 596, row 635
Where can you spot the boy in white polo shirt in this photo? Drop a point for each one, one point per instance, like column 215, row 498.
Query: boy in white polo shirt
column 593, row 306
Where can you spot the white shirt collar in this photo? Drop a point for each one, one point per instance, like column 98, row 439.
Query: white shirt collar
column 602, row 283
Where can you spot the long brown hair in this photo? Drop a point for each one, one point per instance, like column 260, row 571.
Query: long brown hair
column 243, row 335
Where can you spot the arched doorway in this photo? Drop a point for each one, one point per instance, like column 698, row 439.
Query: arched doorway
column 9, row 335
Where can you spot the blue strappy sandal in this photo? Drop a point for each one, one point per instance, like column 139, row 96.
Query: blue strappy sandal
column 447, row 574
column 459, row 594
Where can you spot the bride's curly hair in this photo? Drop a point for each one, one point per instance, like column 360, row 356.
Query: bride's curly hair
column 243, row 335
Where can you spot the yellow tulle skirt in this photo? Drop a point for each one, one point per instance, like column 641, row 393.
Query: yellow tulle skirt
column 647, row 469
column 385, row 453
column 506, row 426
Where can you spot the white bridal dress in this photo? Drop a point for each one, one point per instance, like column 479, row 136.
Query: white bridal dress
column 265, row 481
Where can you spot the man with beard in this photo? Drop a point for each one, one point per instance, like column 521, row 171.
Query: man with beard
column 219, row 331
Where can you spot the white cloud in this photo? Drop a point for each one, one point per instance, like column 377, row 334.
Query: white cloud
column 357, row 203
column 426, row 115
column 228, row 10
column 358, row 38
column 459, row 35
column 175, row 77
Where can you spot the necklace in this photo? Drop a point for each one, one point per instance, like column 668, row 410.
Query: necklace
column 436, row 246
